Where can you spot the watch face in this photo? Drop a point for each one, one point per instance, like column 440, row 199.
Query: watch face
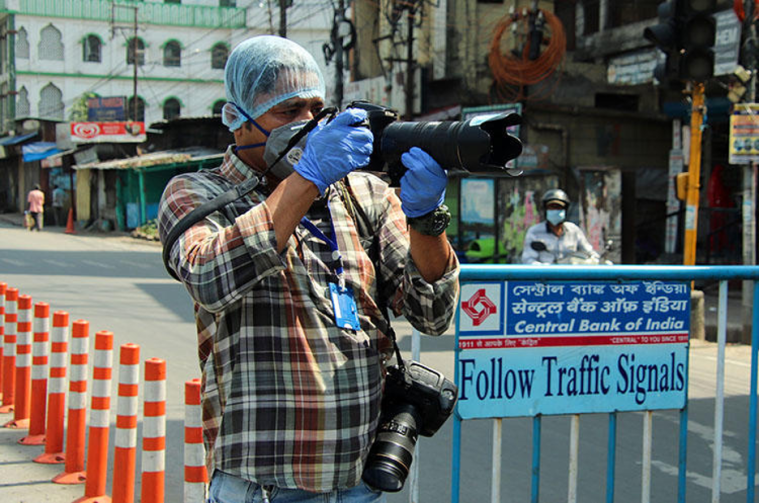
column 440, row 223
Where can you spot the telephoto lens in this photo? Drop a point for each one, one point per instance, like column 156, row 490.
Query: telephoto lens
column 417, row 401
column 391, row 455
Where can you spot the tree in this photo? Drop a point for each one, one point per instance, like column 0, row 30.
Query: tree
column 78, row 111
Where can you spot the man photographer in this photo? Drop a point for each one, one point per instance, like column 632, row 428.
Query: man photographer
column 290, row 282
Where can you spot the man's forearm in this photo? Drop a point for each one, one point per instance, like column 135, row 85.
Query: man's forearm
column 287, row 204
column 431, row 254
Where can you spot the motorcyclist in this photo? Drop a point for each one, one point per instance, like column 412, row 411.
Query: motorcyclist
column 555, row 239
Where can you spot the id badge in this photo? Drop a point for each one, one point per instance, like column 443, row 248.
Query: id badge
column 344, row 307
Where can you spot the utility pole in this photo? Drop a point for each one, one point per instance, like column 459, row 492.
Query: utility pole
column 694, row 174
column 410, row 64
column 339, row 16
column 135, row 56
column 749, row 180
column 283, row 5
column 135, row 60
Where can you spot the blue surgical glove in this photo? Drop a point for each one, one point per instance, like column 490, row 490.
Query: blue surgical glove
column 423, row 185
column 333, row 150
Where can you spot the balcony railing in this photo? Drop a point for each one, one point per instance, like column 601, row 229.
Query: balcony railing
column 195, row 16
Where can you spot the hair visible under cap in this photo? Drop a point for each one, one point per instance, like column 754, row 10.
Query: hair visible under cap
column 264, row 71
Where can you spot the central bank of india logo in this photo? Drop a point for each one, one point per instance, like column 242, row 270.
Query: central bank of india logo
column 86, row 129
column 478, row 307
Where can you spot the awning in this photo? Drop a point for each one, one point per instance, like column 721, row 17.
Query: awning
column 155, row 161
column 15, row 140
column 39, row 150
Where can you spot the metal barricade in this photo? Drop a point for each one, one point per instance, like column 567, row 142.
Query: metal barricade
column 619, row 274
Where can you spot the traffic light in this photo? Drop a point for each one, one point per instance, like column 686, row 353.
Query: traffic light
column 685, row 33
column 666, row 36
column 698, row 34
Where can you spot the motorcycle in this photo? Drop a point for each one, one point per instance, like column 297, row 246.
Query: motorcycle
column 578, row 257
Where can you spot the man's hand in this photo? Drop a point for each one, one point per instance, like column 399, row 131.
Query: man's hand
column 423, row 185
column 333, row 150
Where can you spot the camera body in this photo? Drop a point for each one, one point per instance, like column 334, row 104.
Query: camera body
column 417, row 400
column 479, row 145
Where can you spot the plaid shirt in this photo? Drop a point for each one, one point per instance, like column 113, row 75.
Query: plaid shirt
column 289, row 398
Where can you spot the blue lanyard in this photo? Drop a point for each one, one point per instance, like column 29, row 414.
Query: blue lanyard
column 337, row 259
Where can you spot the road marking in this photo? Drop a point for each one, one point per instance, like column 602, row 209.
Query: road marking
column 136, row 264
column 98, row 264
column 732, row 481
column 17, row 263
column 56, row 262
column 727, row 360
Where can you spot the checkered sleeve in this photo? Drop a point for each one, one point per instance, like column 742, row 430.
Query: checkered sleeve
column 429, row 307
column 218, row 261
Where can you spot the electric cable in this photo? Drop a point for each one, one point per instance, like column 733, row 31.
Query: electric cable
column 512, row 72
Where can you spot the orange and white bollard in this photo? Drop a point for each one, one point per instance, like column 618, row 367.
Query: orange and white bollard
column 75, row 434
column 41, row 329
column 100, row 409
column 3, row 288
column 56, row 387
column 125, row 450
column 22, row 405
column 195, row 473
column 9, row 350
column 154, row 432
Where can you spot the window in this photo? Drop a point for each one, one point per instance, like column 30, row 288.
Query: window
column 51, row 103
column 91, row 49
column 219, row 55
column 140, row 51
column 217, row 106
column 50, row 46
column 172, row 54
column 171, row 109
column 22, row 44
column 22, row 103
column 139, row 113
column 227, row 3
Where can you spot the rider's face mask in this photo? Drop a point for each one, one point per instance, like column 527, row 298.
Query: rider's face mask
column 276, row 144
column 556, row 216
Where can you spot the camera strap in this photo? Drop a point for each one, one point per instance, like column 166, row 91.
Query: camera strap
column 365, row 229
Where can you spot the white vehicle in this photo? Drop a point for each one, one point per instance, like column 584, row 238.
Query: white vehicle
column 578, row 257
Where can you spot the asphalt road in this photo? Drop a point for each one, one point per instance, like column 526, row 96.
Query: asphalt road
column 118, row 284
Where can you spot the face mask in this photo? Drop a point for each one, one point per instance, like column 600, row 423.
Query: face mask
column 556, row 216
column 278, row 140
column 257, row 125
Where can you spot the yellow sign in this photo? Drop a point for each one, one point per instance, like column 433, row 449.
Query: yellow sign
column 744, row 133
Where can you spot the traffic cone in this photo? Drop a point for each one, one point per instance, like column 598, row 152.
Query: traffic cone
column 70, row 223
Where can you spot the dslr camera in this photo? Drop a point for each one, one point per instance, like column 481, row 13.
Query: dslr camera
column 417, row 400
column 480, row 145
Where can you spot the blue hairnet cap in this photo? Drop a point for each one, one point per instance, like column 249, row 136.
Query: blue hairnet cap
column 264, row 71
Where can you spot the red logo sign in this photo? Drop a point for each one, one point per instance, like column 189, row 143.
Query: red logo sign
column 478, row 307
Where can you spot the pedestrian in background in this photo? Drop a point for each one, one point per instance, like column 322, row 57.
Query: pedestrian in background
column 291, row 334
column 59, row 198
column 36, row 200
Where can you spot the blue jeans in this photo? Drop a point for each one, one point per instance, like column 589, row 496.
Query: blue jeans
column 227, row 488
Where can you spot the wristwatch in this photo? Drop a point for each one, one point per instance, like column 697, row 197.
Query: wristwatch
column 433, row 223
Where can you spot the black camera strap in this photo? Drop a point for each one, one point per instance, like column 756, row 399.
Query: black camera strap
column 365, row 228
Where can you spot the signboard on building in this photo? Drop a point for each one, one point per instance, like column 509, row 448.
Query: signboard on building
column 633, row 68
column 108, row 132
column 744, row 134
column 389, row 93
column 727, row 42
column 107, row 109
column 528, row 348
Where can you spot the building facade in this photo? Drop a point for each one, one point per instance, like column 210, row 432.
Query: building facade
column 55, row 54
